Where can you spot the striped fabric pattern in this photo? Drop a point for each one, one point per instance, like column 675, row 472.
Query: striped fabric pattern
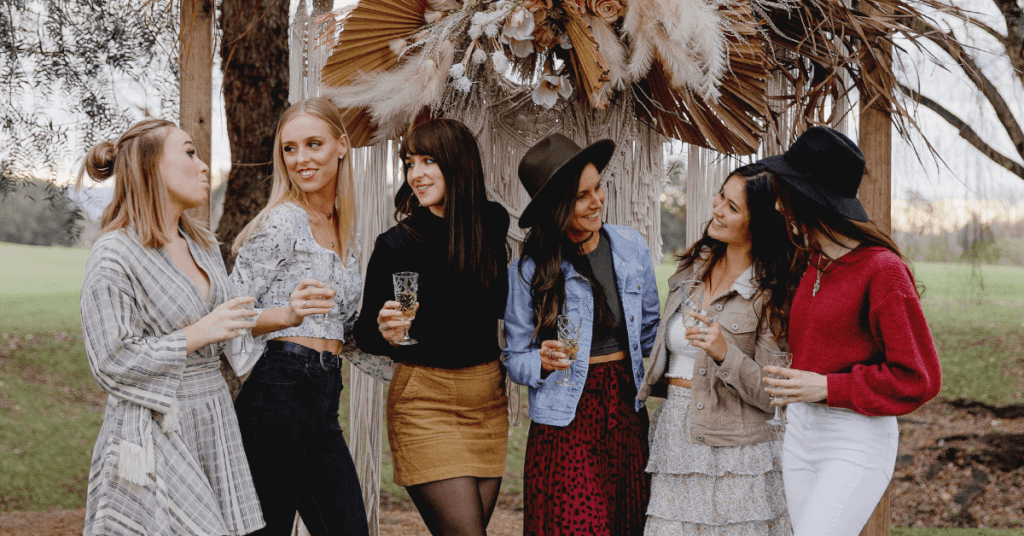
column 173, row 409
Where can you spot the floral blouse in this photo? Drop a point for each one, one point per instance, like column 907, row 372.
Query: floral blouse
column 273, row 262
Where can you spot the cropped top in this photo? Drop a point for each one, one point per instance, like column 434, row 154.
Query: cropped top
column 681, row 354
column 273, row 262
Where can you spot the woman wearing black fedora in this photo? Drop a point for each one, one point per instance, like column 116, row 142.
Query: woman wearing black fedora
column 587, row 445
column 446, row 407
column 862, row 351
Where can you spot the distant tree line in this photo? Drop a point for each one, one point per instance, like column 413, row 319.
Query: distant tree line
column 37, row 214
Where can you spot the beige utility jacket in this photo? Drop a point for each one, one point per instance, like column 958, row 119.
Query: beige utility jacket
column 728, row 406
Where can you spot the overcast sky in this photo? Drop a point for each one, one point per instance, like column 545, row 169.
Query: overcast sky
column 965, row 173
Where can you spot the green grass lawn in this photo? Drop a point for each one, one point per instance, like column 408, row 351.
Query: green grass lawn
column 51, row 409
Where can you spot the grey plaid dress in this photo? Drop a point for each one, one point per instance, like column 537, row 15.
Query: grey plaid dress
column 169, row 457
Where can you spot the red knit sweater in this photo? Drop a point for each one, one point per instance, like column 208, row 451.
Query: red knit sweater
column 865, row 330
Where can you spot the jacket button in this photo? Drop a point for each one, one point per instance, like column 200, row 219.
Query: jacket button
column 700, row 438
column 630, row 318
column 634, row 347
column 725, row 374
column 735, row 326
column 703, row 372
column 718, row 307
column 638, row 286
column 700, row 405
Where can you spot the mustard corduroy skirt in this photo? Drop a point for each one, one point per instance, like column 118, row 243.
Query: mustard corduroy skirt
column 447, row 423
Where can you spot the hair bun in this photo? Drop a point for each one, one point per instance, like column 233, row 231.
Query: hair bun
column 99, row 163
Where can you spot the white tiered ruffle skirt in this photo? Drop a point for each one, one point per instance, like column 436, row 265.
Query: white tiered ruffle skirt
column 720, row 491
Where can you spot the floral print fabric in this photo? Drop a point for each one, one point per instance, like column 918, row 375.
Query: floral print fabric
column 273, row 262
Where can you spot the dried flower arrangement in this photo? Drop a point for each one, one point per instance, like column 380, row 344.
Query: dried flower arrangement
column 697, row 69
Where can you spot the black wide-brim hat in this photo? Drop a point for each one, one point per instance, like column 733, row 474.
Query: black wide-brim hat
column 551, row 160
column 825, row 166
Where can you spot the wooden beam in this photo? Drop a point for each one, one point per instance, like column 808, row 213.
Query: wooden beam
column 876, row 196
column 195, row 59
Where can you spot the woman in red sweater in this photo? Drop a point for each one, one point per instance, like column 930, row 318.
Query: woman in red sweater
column 862, row 352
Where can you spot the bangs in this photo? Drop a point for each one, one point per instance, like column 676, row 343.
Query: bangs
column 420, row 142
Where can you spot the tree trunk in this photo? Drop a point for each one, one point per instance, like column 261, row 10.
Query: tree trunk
column 254, row 59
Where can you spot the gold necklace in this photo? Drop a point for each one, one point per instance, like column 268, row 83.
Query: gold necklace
column 817, row 279
column 330, row 222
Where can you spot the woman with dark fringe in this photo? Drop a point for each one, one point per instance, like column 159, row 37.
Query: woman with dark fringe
column 446, row 408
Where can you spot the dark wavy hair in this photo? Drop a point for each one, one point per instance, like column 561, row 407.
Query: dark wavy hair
column 771, row 252
column 814, row 220
column 454, row 149
column 547, row 243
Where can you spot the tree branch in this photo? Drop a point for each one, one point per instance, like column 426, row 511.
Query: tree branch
column 1013, row 13
column 948, row 43
column 966, row 132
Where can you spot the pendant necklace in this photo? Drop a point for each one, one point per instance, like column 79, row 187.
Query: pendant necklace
column 817, row 279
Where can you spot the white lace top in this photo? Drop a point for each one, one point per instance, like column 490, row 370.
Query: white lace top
column 681, row 356
column 271, row 264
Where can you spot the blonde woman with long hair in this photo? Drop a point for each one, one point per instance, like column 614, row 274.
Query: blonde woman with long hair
column 155, row 317
column 298, row 258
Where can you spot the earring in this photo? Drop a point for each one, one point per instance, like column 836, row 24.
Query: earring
column 342, row 157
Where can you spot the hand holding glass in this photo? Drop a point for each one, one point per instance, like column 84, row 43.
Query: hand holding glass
column 569, row 336
column 784, row 360
column 406, row 285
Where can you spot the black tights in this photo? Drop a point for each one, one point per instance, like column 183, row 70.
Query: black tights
column 459, row 506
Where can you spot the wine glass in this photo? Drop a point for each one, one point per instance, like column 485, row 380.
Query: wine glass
column 406, row 286
column 693, row 298
column 240, row 290
column 784, row 360
column 323, row 271
column 569, row 336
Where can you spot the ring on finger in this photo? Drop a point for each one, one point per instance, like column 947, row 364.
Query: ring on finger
column 701, row 337
column 703, row 329
column 383, row 326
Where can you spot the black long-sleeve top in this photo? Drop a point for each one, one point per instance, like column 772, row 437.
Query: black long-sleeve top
column 455, row 325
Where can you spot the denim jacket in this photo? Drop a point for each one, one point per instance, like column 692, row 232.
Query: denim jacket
column 729, row 405
column 634, row 273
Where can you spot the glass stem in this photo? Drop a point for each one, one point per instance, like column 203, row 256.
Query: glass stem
column 777, row 410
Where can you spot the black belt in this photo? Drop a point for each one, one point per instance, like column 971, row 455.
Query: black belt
column 327, row 360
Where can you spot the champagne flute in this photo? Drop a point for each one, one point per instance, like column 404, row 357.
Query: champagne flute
column 569, row 336
column 784, row 360
column 406, row 285
column 323, row 271
column 239, row 290
column 693, row 298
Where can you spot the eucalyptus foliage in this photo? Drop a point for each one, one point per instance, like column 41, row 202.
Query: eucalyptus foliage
column 76, row 72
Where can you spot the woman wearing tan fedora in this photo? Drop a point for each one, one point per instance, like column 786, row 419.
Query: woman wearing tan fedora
column 862, row 351
column 587, row 445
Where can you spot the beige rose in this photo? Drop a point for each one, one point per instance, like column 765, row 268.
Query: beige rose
column 609, row 10
column 545, row 36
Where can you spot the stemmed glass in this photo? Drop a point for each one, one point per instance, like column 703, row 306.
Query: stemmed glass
column 239, row 290
column 569, row 336
column 406, row 286
column 693, row 298
column 323, row 271
column 784, row 360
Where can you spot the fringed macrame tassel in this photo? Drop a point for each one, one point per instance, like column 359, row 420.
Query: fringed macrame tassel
column 132, row 462
column 169, row 421
column 136, row 459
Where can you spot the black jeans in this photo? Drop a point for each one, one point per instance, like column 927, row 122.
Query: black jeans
column 288, row 414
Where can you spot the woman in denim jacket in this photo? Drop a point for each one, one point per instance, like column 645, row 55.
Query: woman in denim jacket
column 715, row 461
column 587, row 445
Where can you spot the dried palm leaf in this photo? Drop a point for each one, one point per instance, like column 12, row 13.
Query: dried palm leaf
column 590, row 67
column 735, row 122
column 366, row 36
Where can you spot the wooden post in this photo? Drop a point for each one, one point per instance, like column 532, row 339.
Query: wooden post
column 195, row 59
column 876, row 196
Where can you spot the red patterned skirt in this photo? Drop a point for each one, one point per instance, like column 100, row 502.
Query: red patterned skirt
column 588, row 478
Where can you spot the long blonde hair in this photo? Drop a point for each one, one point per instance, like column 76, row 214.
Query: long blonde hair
column 140, row 193
column 285, row 190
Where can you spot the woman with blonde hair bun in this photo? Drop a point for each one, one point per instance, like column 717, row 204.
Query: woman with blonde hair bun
column 155, row 317
column 298, row 258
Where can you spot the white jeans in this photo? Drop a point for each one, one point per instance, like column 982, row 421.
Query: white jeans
column 836, row 465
